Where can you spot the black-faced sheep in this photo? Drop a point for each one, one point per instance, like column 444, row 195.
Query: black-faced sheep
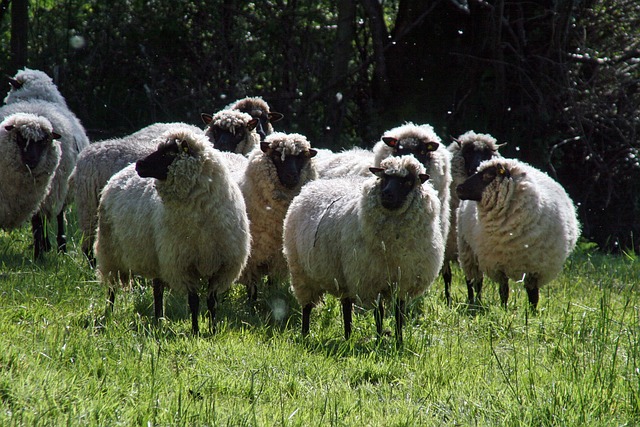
column 274, row 176
column 467, row 152
column 365, row 240
column 30, row 156
column 34, row 92
column 177, row 217
column 514, row 222
column 258, row 108
column 231, row 130
column 419, row 141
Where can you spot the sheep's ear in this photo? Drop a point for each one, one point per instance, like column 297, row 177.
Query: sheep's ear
column 390, row 141
column 431, row 146
column 55, row 135
column 498, row 146
column 312, row 152
column 9, row 128
column 274, row 117
column 14, row 83
column 423, row 177
column 251, row 125
column 379, row 172
column 264, row 146
column 206, row 118
column 457, row 141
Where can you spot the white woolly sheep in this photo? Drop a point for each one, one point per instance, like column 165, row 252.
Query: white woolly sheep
column 273, row 177
column 419, row 141
column 514, row 222
column 467, row 152
column 231, row 130
column 34, row 92
column 177, row 217
column 30, row 156
column 258, row 108
column 365, row 240
column 99, row 162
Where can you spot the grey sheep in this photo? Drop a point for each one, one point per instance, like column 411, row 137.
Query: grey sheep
column 274, row 176
column 514, row 222
column 231, row 130
column 176, row 217
column 34, row 92
column 365, row 240
column 30, row 156
column 467, row 152
column 258, row 108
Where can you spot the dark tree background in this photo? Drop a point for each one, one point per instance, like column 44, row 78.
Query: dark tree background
column 555, row 79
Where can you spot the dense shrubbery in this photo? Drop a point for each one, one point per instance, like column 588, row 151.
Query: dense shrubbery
column 556, row 80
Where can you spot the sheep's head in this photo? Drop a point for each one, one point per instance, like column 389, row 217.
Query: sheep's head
column 490, row 173
column 420, row 148
column 228, row 128
column 259, row 109
column 158, row 164
column 32, row 139
column 475, row 149
column 398, row 178
column 290, row 154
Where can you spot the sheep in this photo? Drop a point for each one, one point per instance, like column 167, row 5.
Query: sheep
column 175, row 216
column 30, row 84
column 467, row 152
column 514, row 222
column 258, row 108
column 34, row 92
column 103, row 159
column 30, row 156
column 99, row 162
column 273, row 177
column 365, row 240
column 420, row 141
column 231, row 130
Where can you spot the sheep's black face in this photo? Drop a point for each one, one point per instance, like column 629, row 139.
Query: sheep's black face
column 290, row 168
column 226, row 139
column 156, row 165
column 32, row 150
column 395, row 189
column 418, row 148
column 473, row 156
column 473, row 186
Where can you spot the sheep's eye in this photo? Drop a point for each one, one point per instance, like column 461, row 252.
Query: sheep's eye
column 488, row 175
column 408, row 183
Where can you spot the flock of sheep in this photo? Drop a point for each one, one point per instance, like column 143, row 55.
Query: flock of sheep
column 238, row 202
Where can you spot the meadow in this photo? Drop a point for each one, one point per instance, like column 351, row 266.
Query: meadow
column 575, row 362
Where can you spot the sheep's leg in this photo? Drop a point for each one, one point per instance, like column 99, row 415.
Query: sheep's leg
column 306, row 314
column 347, row 309
column 470, row 300
column 378, row 314
column 212, row 303
column 400, row 316
column 158, row 291
column 40, row 241
column 446, row 276
column 533, row 292
column 111, row 300
column 504, row 289
column 252, row 292
column 194, row 306
column 478, row 286
column 61, row 238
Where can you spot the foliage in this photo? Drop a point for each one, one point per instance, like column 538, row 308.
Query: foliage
column 576, row 362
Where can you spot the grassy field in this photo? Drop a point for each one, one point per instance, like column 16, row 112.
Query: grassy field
column 577, row 362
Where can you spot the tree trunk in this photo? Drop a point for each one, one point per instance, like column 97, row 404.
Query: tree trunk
column 19, row 32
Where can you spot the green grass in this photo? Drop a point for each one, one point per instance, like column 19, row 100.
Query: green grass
column 577, row 362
